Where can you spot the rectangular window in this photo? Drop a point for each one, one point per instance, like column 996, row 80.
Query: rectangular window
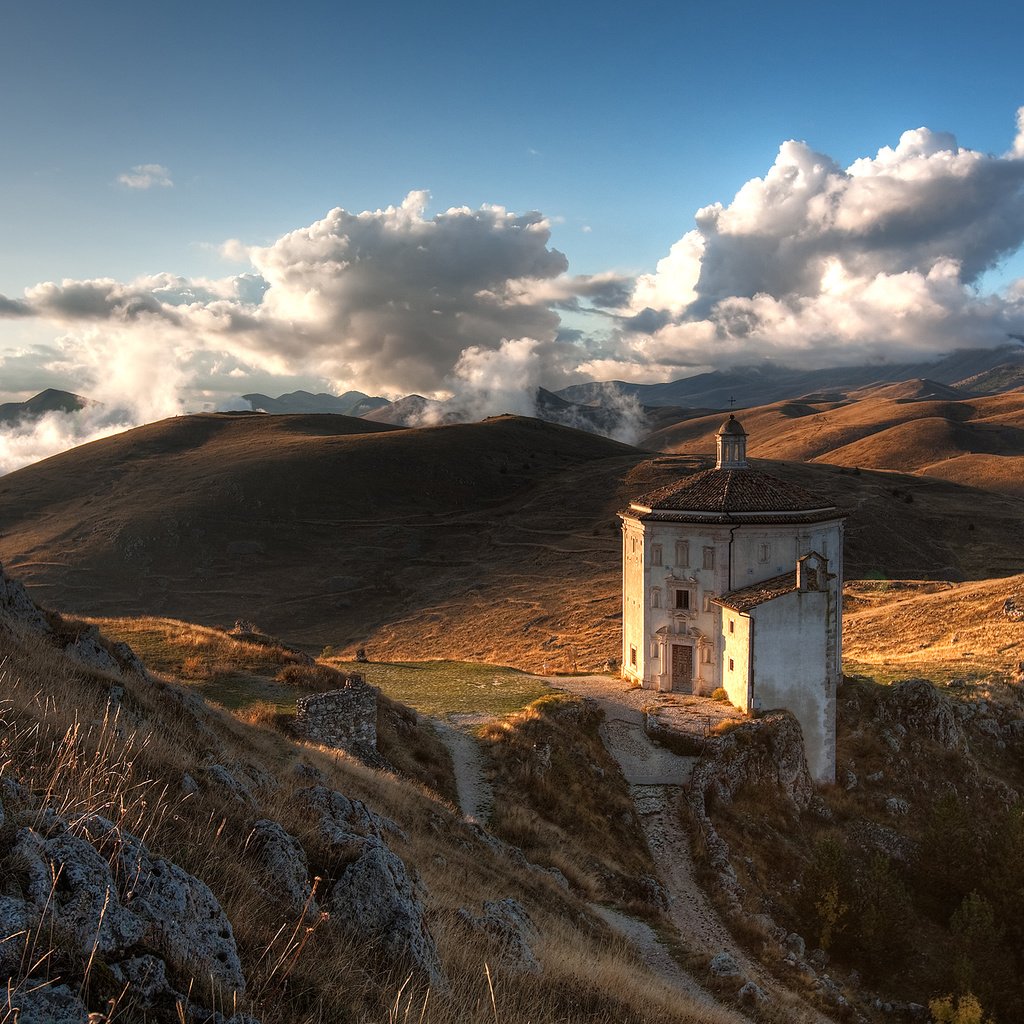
column 655, row 554
column 682, row 553
column 682, row 599
column 764, row 552
column 632, row 656
column 708, row 598
column 732, row 626
column 730, row 665
column 709, row 558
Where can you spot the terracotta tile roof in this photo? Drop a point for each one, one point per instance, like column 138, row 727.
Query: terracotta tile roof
column 718, row 494
column 750, row 597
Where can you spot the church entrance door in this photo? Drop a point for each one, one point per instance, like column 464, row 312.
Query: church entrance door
column 682, row 668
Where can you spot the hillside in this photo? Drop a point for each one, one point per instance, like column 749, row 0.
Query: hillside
column 493, row 542
column 912, row 426
column 168, row 862
column 938, row 630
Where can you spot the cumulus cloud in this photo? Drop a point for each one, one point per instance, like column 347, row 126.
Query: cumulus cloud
column 811, row 263
column 143, row 176
column 815, row 261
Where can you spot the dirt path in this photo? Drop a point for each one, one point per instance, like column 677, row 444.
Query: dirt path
column 654, row 954
column 655, row 778
column 475, row 796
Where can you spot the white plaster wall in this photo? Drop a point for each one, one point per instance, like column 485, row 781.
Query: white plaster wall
column 632, row 598
column 786, row 545
column 791, row 670
column 736, row 648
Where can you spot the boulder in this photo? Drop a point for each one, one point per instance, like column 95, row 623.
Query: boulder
column 18, row 608
column 375, row 898
column 507, row 928
column 73, row 885
column 284, row 860
column 88, row 650
column 724, row 965
column 178, row 913
column 924, row 712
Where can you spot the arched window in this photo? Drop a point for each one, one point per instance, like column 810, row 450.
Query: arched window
column 655, row 554
column 656, row 597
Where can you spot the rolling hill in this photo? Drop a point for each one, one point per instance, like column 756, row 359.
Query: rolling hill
column 494, row 541
column 912, row 426
column 39, row 405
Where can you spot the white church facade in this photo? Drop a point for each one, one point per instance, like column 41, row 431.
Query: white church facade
column 732, row 578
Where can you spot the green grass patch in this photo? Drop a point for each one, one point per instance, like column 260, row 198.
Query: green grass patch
column 442, row 688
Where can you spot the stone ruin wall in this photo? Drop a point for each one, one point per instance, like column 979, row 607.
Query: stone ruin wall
column 345, row 719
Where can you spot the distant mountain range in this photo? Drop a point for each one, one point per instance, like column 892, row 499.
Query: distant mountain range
column 39, row 405
column 352, row 403
column 976, row 370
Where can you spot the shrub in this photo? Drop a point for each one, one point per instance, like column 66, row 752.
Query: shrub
column 720, row 694
column 312, row 677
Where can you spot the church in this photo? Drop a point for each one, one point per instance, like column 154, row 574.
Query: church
column 733, row 579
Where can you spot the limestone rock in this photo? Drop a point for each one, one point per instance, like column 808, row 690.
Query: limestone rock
column 506, row 925
column 376, row 898
column 179, row 914
column 74, row 885
column 284, row 860
column 724, row 965
column 37, row 1002
column 147, row 976
column 917, row 706
column 15, row 925
column 221, row 779
column 87, row 649
column 18, row 608
column 751, row 994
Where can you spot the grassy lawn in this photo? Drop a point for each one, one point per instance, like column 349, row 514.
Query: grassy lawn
column 236, row 673
column 441, row 688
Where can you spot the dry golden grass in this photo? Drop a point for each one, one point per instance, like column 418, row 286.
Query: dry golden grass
column 970, row 440
column 899, row 629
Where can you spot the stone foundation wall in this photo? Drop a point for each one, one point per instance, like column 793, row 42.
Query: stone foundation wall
column 345, row 719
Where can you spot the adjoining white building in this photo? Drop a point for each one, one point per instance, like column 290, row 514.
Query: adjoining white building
column 732, row 578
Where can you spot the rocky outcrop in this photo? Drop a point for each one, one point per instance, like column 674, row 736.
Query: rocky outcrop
column 345, row 719
column 18, row 608
column 176, row 912
column 87, row 646
column 373, row 896
column 915, row 707
column 765, row 754
column 98, row 892
column 506, row 927
column 284, row 860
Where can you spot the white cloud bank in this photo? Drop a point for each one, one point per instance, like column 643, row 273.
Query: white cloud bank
column 812, row 263
column 825, row 265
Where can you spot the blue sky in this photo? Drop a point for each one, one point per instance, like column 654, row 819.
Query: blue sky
column 624, row 119
column 263, row 131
